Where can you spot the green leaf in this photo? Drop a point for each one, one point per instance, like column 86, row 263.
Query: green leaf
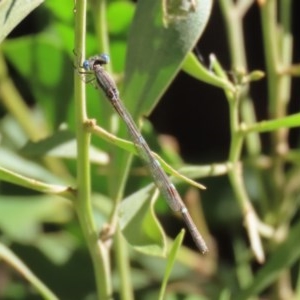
column 171, row 261
column 57, row 246
column 13, row 162
column 139, row 224
column 12, row 12
column 156, row 52
column 62, row 144
column 193, row 67
column 21, row 217
column 29, row 182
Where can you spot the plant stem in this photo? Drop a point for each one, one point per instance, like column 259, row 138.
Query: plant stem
column 278, row 55
column 123, row 266
column 233, row 22
column 277, row 104
column 122, row 259
column 8, row 256
column 100, row 24
column 98, row 250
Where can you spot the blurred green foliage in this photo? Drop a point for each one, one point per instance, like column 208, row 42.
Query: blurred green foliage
column 148, row 42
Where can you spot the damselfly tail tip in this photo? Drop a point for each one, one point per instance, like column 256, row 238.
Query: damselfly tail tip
column 201, row 245
column 204, row 250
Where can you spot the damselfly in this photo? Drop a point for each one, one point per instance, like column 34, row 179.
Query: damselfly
column 105, row 82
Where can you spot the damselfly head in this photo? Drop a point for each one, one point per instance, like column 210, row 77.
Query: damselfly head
column 101, row 59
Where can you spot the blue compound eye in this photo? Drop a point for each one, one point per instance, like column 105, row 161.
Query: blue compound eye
column 86, row 65
column 104, row 58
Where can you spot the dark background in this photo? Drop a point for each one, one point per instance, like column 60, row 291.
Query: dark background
column 197, row 114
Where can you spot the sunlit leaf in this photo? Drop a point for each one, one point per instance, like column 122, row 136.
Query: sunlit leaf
column 139, row 224
column 156, row 51
column 12, row 12
column 171, row 261
column 21, row 217
column 63, row 145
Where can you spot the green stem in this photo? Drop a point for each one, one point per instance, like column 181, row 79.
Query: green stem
column 276, row 107
column 271, row 125
column 235, row 36
column 130, row 147
column 98, row 250
column 271, row 43
column 278, row 54
column 8, row 256
column 100, row 24
column 18, row 179
column 99, row 12
column 233, row 19
column 122, row 259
